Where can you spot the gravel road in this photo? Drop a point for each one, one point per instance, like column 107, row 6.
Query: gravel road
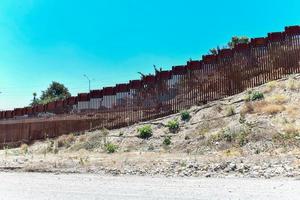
column 84, row 186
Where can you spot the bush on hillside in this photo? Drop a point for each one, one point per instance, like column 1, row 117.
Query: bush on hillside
column 145, row 132
column 111, row 148
column 185, row 115
column 167, row 141
column 256, row 95
column 173, row 125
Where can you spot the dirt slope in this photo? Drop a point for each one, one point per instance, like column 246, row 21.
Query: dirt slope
column 253, row 134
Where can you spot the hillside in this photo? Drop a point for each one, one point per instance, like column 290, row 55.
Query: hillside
column 253, row 134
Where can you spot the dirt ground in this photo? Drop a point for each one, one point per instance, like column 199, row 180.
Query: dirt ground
column 252, row 134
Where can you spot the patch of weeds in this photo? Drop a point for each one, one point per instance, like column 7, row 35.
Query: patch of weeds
column 24, row 148
column 216, row 137
column 203, row 129
column 291, row 131
column 257, row 151
column 230, row 111
column 91, row 141
column 50, row 145
column 6, row 151
column 128, row 150
column 253, row 96
column 242, row 138
column 292, row 84
column 111, row 148
column 82, row 138
column 186, row 137
column 185, row 115
column 65, row 140
column 247, row 108
column 278, row 99
column 145, row 132
column 247, row 97
column 270, row 86
column 55, row 148
column 183, row 163
column 237, row 136
column 83, row 161
column 232, row 152
column 256, row 95
column 228, row 135
column 271, row 109
column 242, row 119
column 167, row 140
column 151, row 147
column 173, row 125
column 48, row 148
column 121, row 134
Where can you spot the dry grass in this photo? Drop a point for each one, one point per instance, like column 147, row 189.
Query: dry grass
column 291, row 130
column 230, row 110
column 91, row 142
column 24, row 148
column 278, row 99
column 264, row 107
column 270, row 86
column 293, row 84
column 270, row 109
column 232, row 152
column 292, row 110
column 82, row 138
column 247, row 108
column 65, row 140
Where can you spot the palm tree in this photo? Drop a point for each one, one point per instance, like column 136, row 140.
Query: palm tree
column 34, row 100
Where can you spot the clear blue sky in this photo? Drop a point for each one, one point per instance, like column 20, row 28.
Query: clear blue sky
column 111, row 40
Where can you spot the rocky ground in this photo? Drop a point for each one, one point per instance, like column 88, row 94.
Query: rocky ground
column 252, row 134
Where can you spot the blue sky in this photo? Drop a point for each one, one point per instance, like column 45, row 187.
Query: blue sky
column 111, row 40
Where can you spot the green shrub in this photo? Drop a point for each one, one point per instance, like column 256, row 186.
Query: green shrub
column 228, row 135
column 145, row 132
column 111, row 148
column 253, row 96
column 185, row 115
column 173, row 125
column 256, row 95
column 167, row 141
column 242, row 138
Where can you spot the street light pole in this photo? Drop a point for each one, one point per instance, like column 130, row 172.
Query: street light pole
column 89, row 104
column 88, row 80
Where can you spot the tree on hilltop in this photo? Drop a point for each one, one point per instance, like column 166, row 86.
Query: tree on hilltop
column 55, row 91
column 231, row 44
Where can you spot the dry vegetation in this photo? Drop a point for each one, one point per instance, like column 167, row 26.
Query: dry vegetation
column 266, row 121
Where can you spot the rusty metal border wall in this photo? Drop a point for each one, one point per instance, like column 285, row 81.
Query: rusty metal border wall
column 215, row 76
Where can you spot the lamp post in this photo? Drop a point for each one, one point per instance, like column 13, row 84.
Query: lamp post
column 89, row 104
column 1, row 109
column 88, row 80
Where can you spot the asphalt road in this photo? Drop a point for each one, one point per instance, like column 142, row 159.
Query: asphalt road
column 31, row 186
